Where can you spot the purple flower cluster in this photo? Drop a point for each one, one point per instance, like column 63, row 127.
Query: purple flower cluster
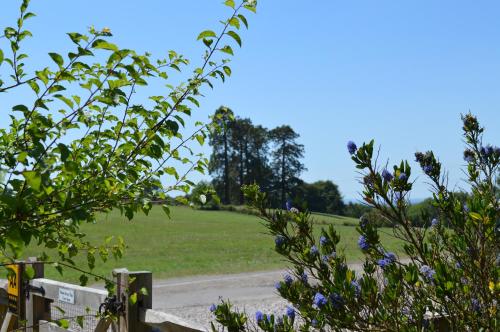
column 319, row 300
column 259, row 316
column 434, row 222
column 351, row 147
column 288, row 279
column 469, row 156
column 336, row 300
column 427, row 169
column 387, row 175
column 290, row 312
column 357, row 287
column 314, row 250
column 323, row 240
column 303, row 277
column 427, row 271
column 212, row 308
column 362, row 243
column 476, row 306
column 279, row 240
column 388, row 259
column 403, row 177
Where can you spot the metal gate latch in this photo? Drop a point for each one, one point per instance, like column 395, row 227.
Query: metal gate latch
column 112, row 306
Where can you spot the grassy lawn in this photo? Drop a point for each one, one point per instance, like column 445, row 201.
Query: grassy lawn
column 199, row 242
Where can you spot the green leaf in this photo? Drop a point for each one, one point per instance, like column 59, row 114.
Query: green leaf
column 227, row 49
column 133, row 298
column 64, row 151
column 29, row 272
column 64, row 323
column 229, row 3
column 234, row 22
column 235, row 36
column 206, row 34
column 28, row 15
column 33, row 179
column 243, row 19
column 20, row 108
column 79, row 321
column 58, row 59
column 1, row 56
column 227, row 70
column 104, row 45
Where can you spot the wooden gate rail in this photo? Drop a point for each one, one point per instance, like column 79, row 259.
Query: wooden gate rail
column 137, row 316
column 82, row 296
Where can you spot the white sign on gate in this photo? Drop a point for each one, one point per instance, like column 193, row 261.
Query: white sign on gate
column 67, row 295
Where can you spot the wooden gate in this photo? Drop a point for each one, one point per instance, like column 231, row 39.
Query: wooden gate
column 44, row 305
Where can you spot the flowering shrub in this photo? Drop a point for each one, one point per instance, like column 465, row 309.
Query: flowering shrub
column 445, row 278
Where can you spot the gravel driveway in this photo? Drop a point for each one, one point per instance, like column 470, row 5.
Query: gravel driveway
column 190, row 297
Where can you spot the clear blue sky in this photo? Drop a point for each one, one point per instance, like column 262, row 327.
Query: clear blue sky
column 397, row 71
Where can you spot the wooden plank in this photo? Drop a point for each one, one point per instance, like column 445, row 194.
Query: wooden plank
column 9, row 323
column 80, row 296
column 167, row 322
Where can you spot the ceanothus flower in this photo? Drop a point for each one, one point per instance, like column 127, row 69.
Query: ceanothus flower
column 476, row 306
column 212, row 308
column 290, row 312
column 337, row 300
column 304, row 277
column 403, row 177
column 434, row 222
column 390, row 256
column 362, row 243
column 427, row 169
column 323, row 240
column 357, row 287
column 314, row 323
column 387, row 175
column 259, row 316
column 279, row 240
column 314, row 250
column 277, row 285
column 383, row 263
column 351, row 147
column 427, row 271
column 288, row 279
column 469, row 155
column 319, row 300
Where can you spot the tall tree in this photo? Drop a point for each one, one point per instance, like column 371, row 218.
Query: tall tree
column 240, row 131
column 219, row 160
column 286, row 162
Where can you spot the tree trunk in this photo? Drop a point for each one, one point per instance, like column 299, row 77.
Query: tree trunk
column 241, row 174
column 226, row 199
column 283, row 175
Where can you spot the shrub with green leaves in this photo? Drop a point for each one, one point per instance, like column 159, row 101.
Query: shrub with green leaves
column 81, row 140
column 446, row 277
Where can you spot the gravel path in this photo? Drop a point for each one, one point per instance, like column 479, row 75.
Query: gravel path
column 190, row 297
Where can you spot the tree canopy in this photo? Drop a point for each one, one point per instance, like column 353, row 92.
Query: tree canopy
column 80, row 141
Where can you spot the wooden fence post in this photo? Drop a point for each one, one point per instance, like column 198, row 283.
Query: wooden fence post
column 37, row 307
column 139, row 284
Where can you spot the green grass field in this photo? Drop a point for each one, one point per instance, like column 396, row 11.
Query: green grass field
column 199, row 242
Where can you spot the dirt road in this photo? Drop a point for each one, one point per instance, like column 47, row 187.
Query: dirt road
column 191, row 297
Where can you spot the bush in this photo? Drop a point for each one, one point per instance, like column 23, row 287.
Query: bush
column 204, row 197
column 450, row 280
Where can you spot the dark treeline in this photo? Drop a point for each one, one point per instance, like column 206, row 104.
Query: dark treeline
column 246, row 153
